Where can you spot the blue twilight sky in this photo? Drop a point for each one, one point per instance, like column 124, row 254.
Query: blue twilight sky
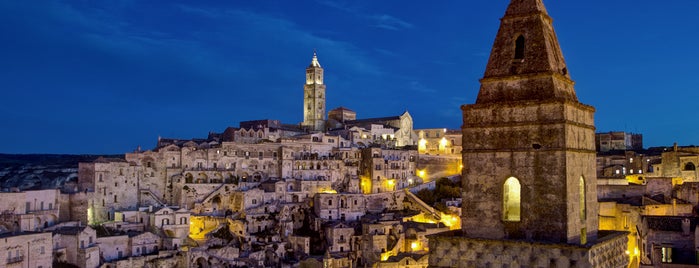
column 108, row 76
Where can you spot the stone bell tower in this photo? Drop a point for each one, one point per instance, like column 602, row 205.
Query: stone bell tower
column 528, row 144
column 529, row 177
column 314, row 97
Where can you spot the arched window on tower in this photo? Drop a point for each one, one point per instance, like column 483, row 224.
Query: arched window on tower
column 511, row 200
column 583, row 212
column 583, row 202
column 690, row 166
column 519, row 48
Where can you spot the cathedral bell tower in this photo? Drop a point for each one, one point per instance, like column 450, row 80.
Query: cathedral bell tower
column 529, row 177
column 314, row 97
column 528, row 144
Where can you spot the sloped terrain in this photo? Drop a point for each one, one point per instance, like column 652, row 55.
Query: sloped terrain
column 41, row 171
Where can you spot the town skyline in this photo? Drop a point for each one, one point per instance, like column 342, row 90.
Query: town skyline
column 105, row 78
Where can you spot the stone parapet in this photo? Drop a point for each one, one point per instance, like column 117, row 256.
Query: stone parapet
column 451, row 249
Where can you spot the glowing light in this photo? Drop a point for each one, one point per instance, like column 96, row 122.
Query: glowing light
column 384, row 256
column 443, row 144
column 627, row 252
column 421, row 174
column 365, row 184
column 391, row 182
column 511, row 200
column 414, row 246
column 422, row 145
column 451, row 221
column 326, row 191
column 90, row 216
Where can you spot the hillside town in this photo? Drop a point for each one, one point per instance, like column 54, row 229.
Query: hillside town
column 536, row 186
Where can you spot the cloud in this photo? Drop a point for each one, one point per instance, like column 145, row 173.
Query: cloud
column 389, row 22
column 258, row 28
column 383, row 21
column 386, row 52
column 419, row 87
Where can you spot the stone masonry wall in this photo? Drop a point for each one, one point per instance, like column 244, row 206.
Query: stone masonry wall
column 453, row 250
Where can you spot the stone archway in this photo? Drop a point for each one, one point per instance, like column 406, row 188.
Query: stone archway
column 258, row 176
column 216, row 203
column 201, row 262
column 37, row 223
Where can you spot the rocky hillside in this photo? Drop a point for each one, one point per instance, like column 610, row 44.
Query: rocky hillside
column 41, row 171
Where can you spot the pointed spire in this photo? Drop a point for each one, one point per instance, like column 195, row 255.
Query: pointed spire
column 314, row 62
column 524, row 7
column 526, row 50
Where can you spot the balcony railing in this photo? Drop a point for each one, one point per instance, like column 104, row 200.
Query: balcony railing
column 15, row 259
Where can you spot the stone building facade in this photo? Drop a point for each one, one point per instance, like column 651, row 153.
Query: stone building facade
column 529, row 176
column 79, row 244
column 618, row 140
column 680, row 162
column 385, row 170
column 439, row 141
column 25, row 249
column 29, row 211
column 343, row 207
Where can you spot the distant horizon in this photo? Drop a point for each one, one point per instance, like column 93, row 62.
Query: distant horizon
column 105, row 78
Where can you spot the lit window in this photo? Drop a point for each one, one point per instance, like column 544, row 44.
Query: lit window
column 583, row 203
column 667, row 254
column 511, row 200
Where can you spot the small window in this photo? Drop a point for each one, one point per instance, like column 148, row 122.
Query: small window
column 583, row 201
column 667, row 254
column 511, row 200
column 519, row 48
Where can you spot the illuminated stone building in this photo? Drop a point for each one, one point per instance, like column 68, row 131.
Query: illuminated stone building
column 258, row 179
column 398, row 129
column 680, row 162
column 438, row 141
column 618, row 140
column 386, row 170
column 529, row 176
column 314, row 97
